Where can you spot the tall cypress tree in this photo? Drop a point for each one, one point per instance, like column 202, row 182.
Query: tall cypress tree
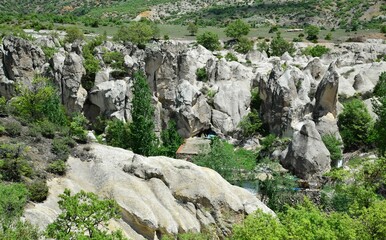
column 142, row 137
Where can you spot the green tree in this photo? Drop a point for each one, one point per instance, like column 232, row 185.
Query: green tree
column 192, row 29
column 334, row 146
column 355, row 125
column 74, row 33
column 117, row 134
column 142, row 137
column 138, row 33
column 237, row 28
column 312, row 32
column 39, row 102
column 84, row 216
column 379, row 106
column 279, row 46
column 209, row 40
column 250, row 124
column 244, row 45
column 171, row 140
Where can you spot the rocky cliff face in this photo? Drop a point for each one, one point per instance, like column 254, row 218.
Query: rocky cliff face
column 293, row 90
column 157, row 195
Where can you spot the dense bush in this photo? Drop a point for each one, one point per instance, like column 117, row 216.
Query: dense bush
column 138, row 33
column 355, row 125
column 77, row 128
column 60, row 148
column 74, row 33
column 209, row 40
column 13, row 163
column 84, row 216
column 91, row 63
column 58, row 167
column 279, row 46
column 38, row 190
column 312, row 33
column 250, row 124
column 227, row 161
column 334, row 146
column 237, row 29
column 192, row 29
column 201, row 74
column 115, row 59
column 117, row 134
column 171, row 140
column 13, row 129
column 39, row 102
column 231, row 57
column 244, row 45
column 379, row 106
column 316, row 51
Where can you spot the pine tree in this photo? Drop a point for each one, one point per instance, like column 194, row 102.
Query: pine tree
column 142, row 137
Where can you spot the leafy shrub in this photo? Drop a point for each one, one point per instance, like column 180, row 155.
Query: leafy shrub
column 312, row 33
column 244, row 45
column 201, row 74
column 60, row 148
column 84, row 214
column 13, row 198
column 91, row 63
column 328, row 37
column 250, row 124
column 58, row 167
column 279, row 46
column 73, row 33
column 13, row 129
column 231, row 57
column 192, row 29
column 13, row 163
column 77, row 127
column 171, row 140
column 355, row 125
column 209, row 40
column 46, row 128
column 137, row 32
column 117, row 134
column 115, row 59
column 39, row 102
column 334, row 146
column 226, row 161
column 379, row 107
column 49, row 52
column 38, row 190
column 237, row 28
column 316, row 51
column 3, row 107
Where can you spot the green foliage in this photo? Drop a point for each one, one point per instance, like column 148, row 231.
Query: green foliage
column 244, row 45
column 13, row 163
column 58, row 167
column 20, row 230
column 117, row 134
column 231, row 57
column 115, row 59
column 171, row 140
column 49, row 52
column 374, row 220
column 312, row 32
column 259, row 226
column 227, row 161
column 46, row 128
column 279, row 46
column 74, row 33
column 316, row 51
column 383, row 29
column 142, row 137
column 138, row 33
column 38, row 190
column 13, row 198
column 84, row 216
column 3, row 107
column 78, row 126
column 328, row 37
column 334, row 146
column 13, row 129
column 209, row 40
column 355, row 125
column 250, row 124
column 91, row 63
column 379, row 106
column 60, row 148
column 39, row 102
column 201, row 74
column 192, row 29
column 237, row 28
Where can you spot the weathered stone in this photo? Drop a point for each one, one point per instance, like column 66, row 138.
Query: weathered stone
column 307, row 156
column 326, row 94
column 157, row 195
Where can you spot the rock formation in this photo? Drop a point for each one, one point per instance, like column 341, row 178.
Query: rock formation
column 157, row 195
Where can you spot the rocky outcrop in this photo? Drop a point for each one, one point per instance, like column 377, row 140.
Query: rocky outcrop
column 157, row 195
column 306, row 156
column 326, row 95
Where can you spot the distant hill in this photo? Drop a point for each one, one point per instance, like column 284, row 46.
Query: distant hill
column 340, row 13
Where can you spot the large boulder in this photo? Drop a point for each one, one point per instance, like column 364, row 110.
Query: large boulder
column 157, row 195
column 22, row 60
column 307, row 156
column 73, row 94
column 327, row 94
